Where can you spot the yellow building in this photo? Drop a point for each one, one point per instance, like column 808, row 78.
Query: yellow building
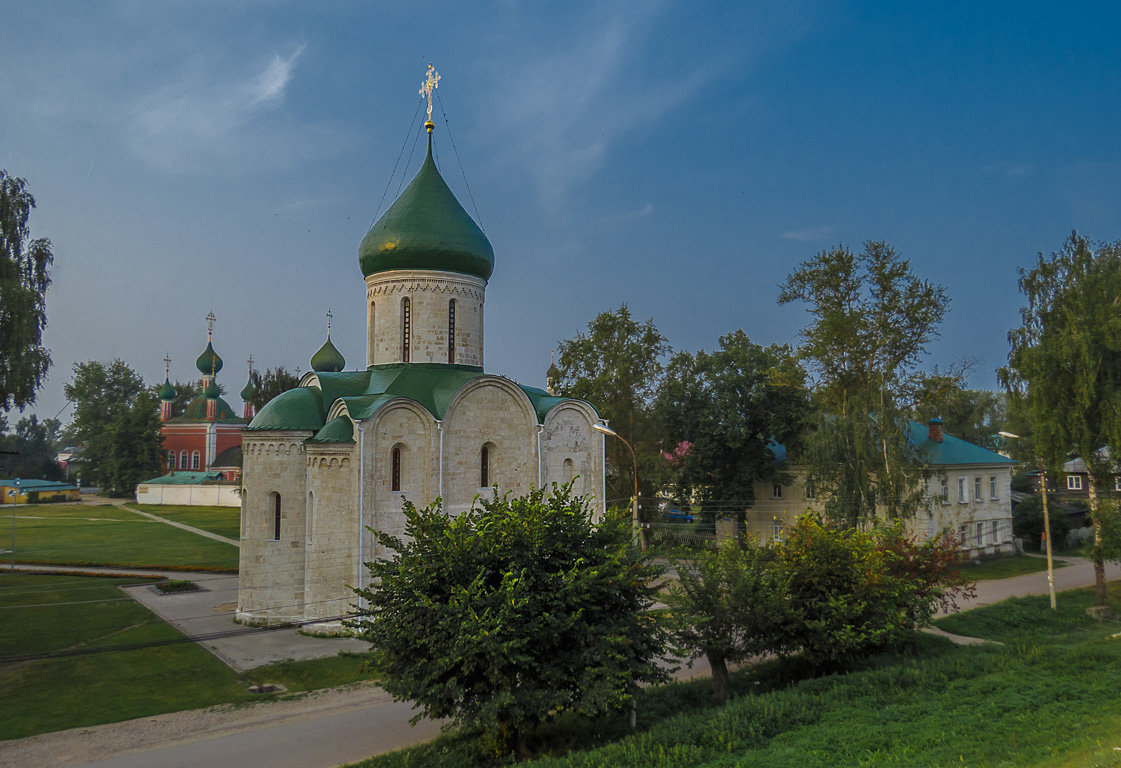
column 29, row 491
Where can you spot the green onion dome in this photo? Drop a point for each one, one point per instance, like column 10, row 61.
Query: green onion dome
column 426, row 228
column 167, row 392
column 212, row 392
column 328, row 359
column 209, row 363
column 248, row 391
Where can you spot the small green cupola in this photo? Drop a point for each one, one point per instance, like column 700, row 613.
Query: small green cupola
column 426, row 228
column 208, row 362
column 212, row 392
column 248, row 391
column 328, row 359
column 167, row 392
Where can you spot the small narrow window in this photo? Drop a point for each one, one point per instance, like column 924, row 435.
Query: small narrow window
column 977, row 489
column 776, row 491
column 395, row 470
column 569, row 470
column 945, row 491
column 965, row 536
column 171, row 459
column 996, row 530
column 182, row 459
column 1117, row 483
column 1074, row 482
column 484, row 467
column 406, row 331
column 776, row 529
column 980, row 534
column 811, row 493
column 963, row 491
column 194, row 460
column 992, row 486
column 451, row 331
column 275, row 516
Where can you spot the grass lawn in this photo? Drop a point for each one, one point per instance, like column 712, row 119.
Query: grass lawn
column 1006, row 567
column 74, row 534
column 1046, row 698
column 43, row 613
column 224, row 521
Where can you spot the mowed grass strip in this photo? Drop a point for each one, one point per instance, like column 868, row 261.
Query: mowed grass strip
column 224, row 521
column 73, row 534
column 1007, row 567
column 1045, row 699
column 42, row 613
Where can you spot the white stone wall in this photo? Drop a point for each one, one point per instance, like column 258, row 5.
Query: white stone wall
column 429, row 293
column 271, row 571
column 332, row 556
column 572, row 450
column 496, row 412
column 189, row 495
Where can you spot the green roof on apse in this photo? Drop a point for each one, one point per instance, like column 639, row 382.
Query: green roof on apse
column 430, row 385
column 426, row 228
column 337, row 430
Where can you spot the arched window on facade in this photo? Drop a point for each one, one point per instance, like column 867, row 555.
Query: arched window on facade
column 395, row 469
column 171, row 460
column 195, row 459
column 569, row 470
column 406, row 328
column 451, row 331
column 371, row 341
column 310, row 514
column 484, row 467
column 182, row 459
column 274, row 502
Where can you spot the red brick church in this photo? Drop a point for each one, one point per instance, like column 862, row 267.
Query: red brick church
column 206, row 436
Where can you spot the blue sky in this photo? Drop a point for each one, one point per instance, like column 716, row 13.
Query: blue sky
column 680, row 157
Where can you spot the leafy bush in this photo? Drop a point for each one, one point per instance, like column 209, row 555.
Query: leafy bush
column 515, row 610
column 1027, row 521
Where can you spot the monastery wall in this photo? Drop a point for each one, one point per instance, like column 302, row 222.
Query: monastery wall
column 429, row 294
column 572, row 450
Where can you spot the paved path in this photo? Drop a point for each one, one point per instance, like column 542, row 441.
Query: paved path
column 183, row 526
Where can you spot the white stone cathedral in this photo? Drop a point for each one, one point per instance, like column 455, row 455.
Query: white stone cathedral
column 328, row 461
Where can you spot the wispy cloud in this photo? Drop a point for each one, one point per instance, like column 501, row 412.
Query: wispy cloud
column 1013, row 170
column 585, row 97
column 640, row 213
column 808, row 234
column 208, row 115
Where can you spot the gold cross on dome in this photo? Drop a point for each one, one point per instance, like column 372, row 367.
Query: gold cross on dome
column 329, row 316
column 166, row 366
column 431, row 83
column 210, row 318
column 250, row 361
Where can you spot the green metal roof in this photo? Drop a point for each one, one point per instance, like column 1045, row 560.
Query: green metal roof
column 208, row 362
column 196, row 411
column 186, row 478
column 29, row 484
column 328, row 358
column 338, row 430
column 212, row 392
column 426, row 228
column 952, row 450
column 167, row 392
column 430, row 385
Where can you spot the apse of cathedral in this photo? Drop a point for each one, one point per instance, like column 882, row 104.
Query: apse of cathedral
column 337, row 456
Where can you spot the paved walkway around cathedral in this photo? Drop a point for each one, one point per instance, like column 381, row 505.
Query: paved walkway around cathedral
column 183, row 526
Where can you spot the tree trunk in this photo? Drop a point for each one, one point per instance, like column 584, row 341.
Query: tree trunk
column 1099, row 563
column 720, row 687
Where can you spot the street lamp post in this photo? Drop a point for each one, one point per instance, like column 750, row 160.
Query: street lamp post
column 15, row 501
column 606, row 430
column 1046, row 522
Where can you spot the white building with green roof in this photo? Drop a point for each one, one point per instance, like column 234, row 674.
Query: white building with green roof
column 339, row 454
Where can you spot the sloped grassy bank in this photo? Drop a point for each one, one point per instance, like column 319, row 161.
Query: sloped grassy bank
column 1048, row 696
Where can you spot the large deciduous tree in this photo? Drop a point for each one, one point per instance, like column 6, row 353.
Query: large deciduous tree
column 24, row 277
column 872, row 320
column 512, row 611
column 273, row 382
column 117, row 422
column 30, row 449
column 731, row 406
column 617, row 366
column 1064, row 369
